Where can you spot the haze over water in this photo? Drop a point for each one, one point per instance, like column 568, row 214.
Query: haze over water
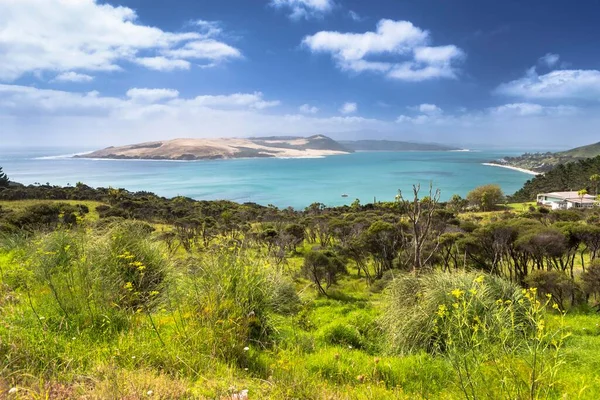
column 281, row 182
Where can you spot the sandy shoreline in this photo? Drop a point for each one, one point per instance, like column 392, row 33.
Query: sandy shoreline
column 525, row 171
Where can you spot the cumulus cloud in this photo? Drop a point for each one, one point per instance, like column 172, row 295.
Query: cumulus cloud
column 559, row 84
column 151, row 95
column 308, row 109
column 84, row 35
column 410, row 47
column 304, row 8
column 349, row 108
column 73, row 77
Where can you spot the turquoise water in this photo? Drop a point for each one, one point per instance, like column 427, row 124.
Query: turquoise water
column 281, row 182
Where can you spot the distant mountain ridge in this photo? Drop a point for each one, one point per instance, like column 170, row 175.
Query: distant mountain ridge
column 392, row 145
column 544, row 162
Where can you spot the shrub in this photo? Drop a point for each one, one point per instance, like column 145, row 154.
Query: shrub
column 555, row 284
column 412, row 302
column 486, row 197
column 591, row 278
column 233, row 299
column 340, row 333
column 134, row 267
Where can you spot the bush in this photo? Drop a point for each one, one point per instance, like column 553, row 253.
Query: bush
column 340, row 333
column 134, row 267
column 486, row 197
column 555, row 284
column 233, row 299
column 412, row 303
column 591, row 279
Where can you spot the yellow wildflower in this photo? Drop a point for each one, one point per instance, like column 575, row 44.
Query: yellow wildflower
column 457, row 293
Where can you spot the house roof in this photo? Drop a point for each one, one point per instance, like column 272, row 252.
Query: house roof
column 573, row 197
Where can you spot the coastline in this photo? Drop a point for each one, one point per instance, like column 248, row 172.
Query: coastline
column 523, row 170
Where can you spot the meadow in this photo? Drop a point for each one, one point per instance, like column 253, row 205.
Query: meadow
column 114, row 295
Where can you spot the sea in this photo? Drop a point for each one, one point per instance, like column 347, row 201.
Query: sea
column 297, row 183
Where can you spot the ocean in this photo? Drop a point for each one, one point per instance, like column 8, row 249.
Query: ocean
column 282, row 182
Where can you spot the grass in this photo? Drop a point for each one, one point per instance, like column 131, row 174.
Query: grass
column 72, row 327
column 21, row 205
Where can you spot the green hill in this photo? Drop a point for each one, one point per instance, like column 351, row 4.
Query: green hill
column 544, row 162
column 588, row 151
column 564, row 177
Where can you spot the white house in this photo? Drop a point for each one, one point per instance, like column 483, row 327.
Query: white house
column 566, row 200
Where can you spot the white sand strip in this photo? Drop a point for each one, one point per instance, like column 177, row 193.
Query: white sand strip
column 525, row 171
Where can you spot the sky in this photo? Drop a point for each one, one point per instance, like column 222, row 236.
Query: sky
column 507, row 74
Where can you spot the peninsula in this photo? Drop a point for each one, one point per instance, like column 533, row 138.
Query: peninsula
column 254, row 147
column 225, row 148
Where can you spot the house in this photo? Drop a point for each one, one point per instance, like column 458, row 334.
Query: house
column 566, row 200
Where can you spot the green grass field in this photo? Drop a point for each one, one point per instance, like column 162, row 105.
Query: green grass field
column 109, row 313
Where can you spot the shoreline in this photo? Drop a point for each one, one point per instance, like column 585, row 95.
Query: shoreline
column 523, row 170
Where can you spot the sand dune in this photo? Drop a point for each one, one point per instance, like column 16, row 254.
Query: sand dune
column 226, row 148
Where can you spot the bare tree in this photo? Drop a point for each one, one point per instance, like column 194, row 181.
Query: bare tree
column 420, row 214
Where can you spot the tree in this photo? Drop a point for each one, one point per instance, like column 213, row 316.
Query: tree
column 457, row 204
column 420, row 213
column 3, row 179
column 595, row 180
column 486, row 197
column 322, row 267
column 582, row 193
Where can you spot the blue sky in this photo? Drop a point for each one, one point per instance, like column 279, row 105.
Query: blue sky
column 473, row 73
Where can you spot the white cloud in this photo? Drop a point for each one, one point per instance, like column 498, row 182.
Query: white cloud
column 41, row 116
column 73, row 77
column 531, row 109
column 426, row 108
column 162, row 63
column 151, row 95
column 549, row 60
column 559, row 84
column 349, row 108
column 208, row 49
column 408, row 45
column 83, row 35
column 50, row 116
column 304, row 8
column 308, row 109
column 211, row 28
column 355, row 16
column 237, row 100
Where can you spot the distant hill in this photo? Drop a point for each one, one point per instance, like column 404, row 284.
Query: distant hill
column 226, row 148
column 572, row 176
column 589, row 151
column 392, row 145
column 544, row 162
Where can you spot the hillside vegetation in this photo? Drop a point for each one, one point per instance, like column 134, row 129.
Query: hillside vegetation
column 572, row 176
column 107, row 294
column 544, row 162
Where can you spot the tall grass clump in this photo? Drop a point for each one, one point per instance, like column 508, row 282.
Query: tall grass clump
column 234, row 299
column 413, row 302
column 132, row 268
column 494, row 334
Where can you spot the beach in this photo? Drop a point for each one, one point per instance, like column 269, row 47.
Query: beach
column 525, row 171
